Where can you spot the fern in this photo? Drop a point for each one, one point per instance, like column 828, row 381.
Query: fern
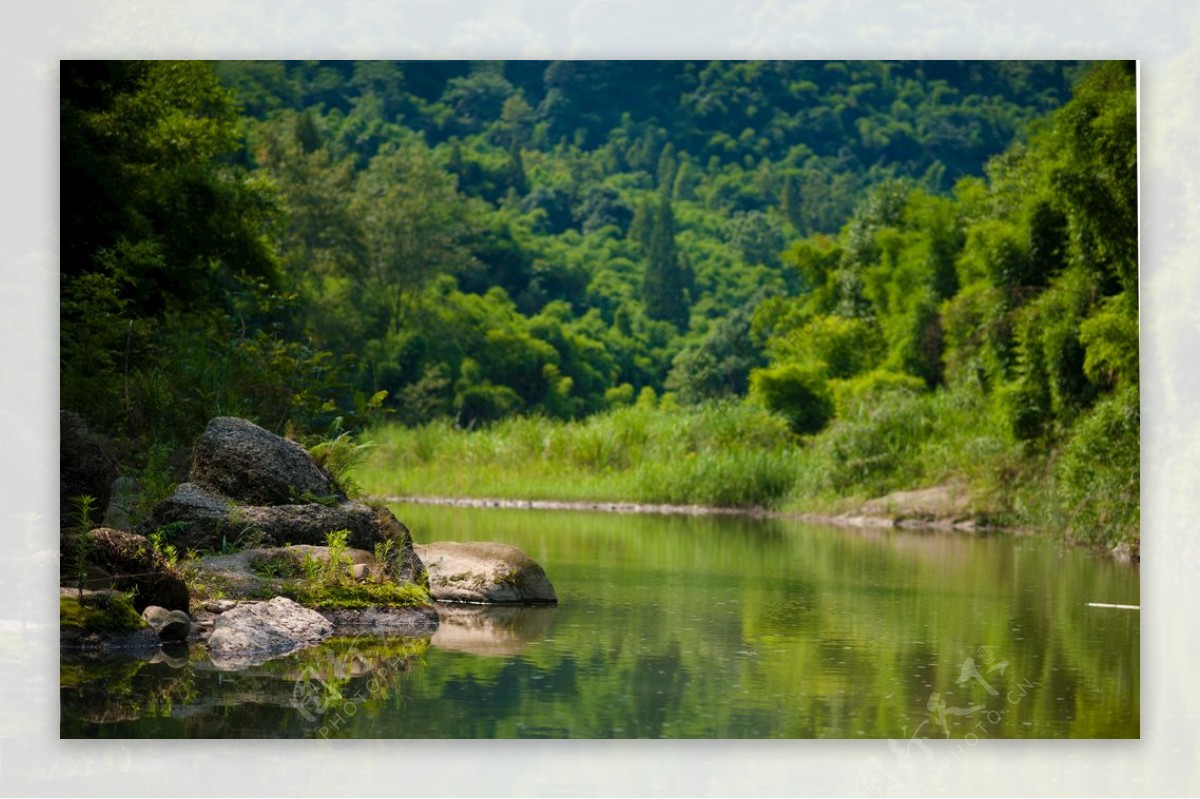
column 339, row 456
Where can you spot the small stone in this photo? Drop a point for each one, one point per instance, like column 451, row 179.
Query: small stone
column 171, row 625
column 360, row 571
column 220, row 605
column 177, row 628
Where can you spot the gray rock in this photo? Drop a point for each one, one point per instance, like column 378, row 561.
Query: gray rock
column 485, row 572
column 201, row 518
column 254, row 466
column 122, row 499
column 256, row 632
column 171, row 625
column 219, row 606
column 155, row 616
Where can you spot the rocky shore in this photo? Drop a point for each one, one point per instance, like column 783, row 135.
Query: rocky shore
column 258, row 553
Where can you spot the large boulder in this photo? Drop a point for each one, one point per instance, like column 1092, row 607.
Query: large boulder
column 255, row 632
column 254, row 466
column 200, row 518
column 485, row 572
column 127, row 562
column 250, row 487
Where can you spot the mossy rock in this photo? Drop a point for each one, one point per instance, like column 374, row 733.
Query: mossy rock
column 98, row 611
column 104, row 623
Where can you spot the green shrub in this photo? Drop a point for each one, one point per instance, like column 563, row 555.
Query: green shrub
column 798, row 393
column 1097, row 476
column 866, row 390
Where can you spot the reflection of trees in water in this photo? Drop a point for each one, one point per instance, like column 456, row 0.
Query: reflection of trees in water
column 658, row 682
column 111, row 690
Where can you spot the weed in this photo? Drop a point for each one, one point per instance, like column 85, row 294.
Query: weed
column 338, row 455
column 83, row 507
column 167, row 551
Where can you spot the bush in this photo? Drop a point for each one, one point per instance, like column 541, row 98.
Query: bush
column 798, row 393
column 1098, row 475
column 849, row 396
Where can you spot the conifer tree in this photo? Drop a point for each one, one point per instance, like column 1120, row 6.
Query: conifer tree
column 663, row 285
column 517, row 180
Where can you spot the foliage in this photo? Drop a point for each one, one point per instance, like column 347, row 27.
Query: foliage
column 1097, row 476
column 325, row 582
column 339, row 456
column 796, row 392
column 465, row 243
column 851, row 396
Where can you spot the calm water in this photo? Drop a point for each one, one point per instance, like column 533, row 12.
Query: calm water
column 691, row 627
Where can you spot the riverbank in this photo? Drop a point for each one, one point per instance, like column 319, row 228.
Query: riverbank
column 893, row 511
column 936, row 459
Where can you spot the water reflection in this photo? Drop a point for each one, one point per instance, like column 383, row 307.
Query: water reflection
column 697, row 627
column 503, row 631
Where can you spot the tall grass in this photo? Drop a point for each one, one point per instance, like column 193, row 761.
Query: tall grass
column 739, row 455
column 733, row 456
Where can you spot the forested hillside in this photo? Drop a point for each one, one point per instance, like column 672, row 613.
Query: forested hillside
column 903, row 272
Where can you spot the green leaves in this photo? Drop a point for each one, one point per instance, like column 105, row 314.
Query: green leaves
column 798, row 393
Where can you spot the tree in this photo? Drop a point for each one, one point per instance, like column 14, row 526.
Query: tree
column 147, row 199
column 515, row 171
column 414, row 226
column 664, row 282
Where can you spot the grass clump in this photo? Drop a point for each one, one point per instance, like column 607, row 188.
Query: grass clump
column 339, row 455
column 355, row 595
column 727, row 454
column 326, row 582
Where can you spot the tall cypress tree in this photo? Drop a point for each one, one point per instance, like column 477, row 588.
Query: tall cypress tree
column 663, row 285
column 517, row 181
column 789, row 202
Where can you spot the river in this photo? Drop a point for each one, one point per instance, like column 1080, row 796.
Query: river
column 692, row 627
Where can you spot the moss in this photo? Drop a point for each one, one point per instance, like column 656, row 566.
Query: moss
column 349, row 595
column 510, row 578
column 281, row 564
column 107, row 613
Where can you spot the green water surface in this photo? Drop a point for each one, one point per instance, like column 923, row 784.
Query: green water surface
column 694, row 627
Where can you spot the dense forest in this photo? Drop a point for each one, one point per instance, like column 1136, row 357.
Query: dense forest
column 792, row 282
